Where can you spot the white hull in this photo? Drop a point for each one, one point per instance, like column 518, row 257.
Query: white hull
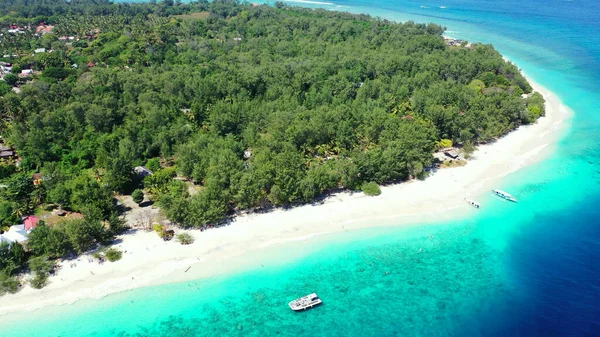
column 305, row 302
column 473, row 203
column 504, row 195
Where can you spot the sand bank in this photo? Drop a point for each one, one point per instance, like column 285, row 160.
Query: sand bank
column 147, row 260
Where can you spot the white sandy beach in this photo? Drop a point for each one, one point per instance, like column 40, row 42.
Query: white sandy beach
column 149, row 261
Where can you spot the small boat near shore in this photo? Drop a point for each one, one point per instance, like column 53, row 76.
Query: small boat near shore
column 472, row 203
column 305, row 302
column 504, row 195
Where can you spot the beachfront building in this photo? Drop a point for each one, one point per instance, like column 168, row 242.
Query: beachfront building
column 30, row 222
column 19, row 233
column 16, row 233
column 452, row 153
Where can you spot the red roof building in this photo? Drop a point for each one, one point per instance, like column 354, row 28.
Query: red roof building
column 37, row 178
column 30, row 222
column 43, row 29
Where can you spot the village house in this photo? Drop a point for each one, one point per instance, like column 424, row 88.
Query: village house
column 30, row 222
column 59, row 212
column 16, row 233
column 141, row 171
column 19, row 233
column 37, row 178
column 26, row 73
column 455, row 42
column 14, row 29
column 92, row 34
column 6, row 152
column 5, row 67
column 452, row 153
column 44, row 29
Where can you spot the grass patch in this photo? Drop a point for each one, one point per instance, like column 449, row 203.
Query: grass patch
column 185, row 238
column 193, row 16
column 113, row 254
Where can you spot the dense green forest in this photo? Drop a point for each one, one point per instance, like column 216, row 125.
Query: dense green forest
column 254, row 105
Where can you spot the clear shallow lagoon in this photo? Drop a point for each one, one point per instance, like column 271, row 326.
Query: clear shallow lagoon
column 526, row 269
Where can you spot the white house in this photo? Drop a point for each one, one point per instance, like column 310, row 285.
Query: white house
column 15, row 233
column 142, row 171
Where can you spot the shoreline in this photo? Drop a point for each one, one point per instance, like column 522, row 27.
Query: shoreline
column 147, row 260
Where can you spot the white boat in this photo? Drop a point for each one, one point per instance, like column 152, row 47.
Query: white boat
column 472, row 203
column 504, row 195
column 305, row 302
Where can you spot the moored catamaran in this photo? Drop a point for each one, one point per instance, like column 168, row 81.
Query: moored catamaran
column 305, row 302
column 504, row 195
column 472, row 203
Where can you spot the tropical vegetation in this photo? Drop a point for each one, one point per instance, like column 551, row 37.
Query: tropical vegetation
column 231, row 106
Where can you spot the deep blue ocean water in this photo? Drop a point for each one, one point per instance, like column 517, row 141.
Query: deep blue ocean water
column 526, row 269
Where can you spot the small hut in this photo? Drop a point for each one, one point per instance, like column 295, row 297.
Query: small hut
column 141, row 171
column 30, row 222
column 452, row 153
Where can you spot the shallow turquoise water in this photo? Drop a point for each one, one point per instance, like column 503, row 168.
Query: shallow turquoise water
column 349, row 273
column 521, row 269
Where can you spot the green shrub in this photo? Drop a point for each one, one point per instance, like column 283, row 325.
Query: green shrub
column 137, row 196
column 153, row 164
column 159, row 229
column 97, row 255
column 371, row 188
column 444, row 143
column 41, row 267
column 10, row 78
column 8, row 284
column 38, row 281
column 4, row 88
column 467, row 149
column 185, row 238
column 7, row 170
column 117, row 224
column 113, row 254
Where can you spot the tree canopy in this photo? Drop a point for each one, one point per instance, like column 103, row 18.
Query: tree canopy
column 254, row 105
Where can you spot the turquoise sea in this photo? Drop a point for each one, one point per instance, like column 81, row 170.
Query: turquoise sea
column 526, row 269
